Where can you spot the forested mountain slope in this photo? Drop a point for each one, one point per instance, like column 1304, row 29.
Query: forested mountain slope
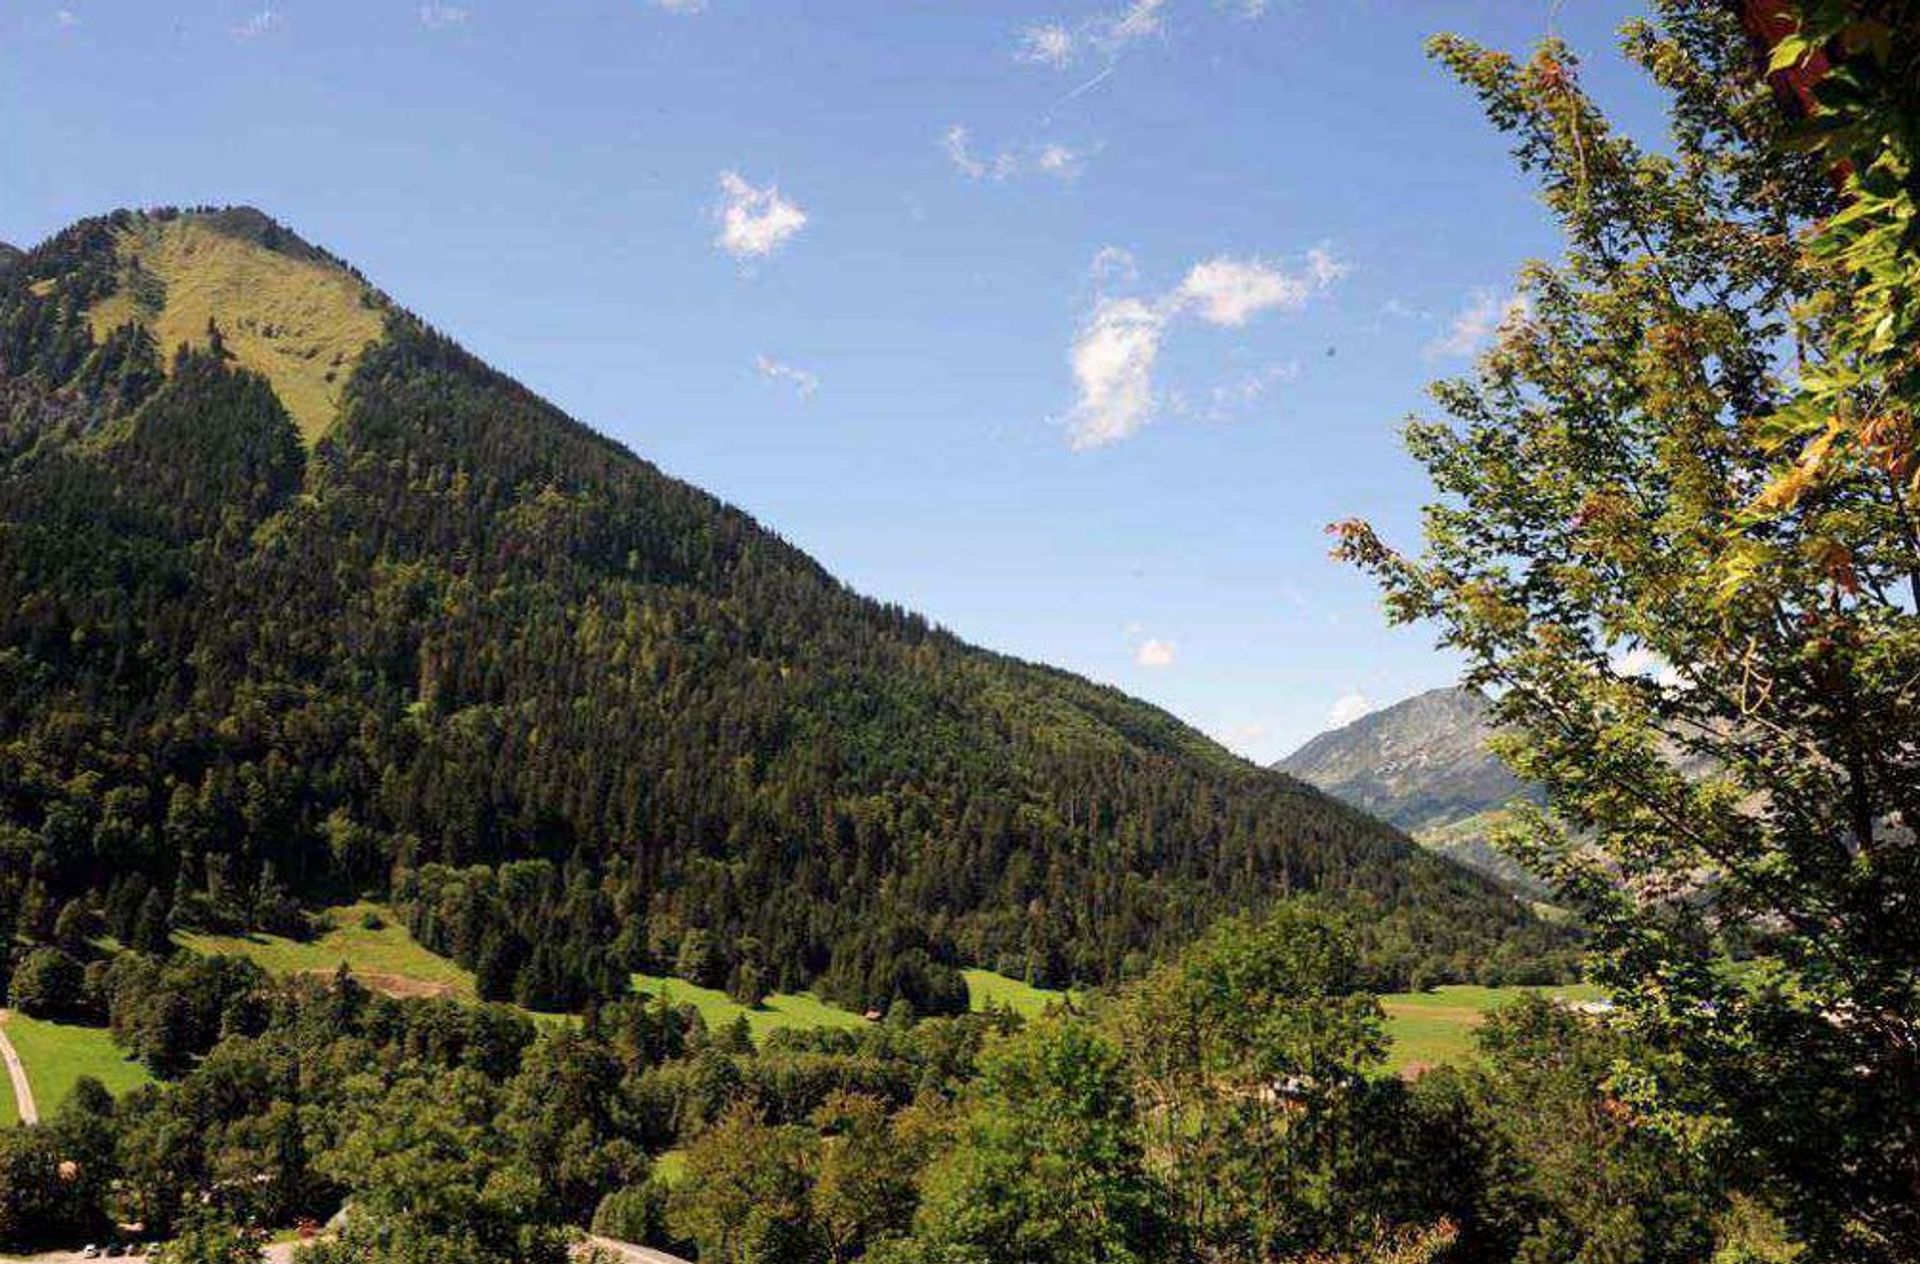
column 299, row 599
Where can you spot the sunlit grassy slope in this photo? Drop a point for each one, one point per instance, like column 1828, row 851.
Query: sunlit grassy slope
column 1426, row 1028
column 302, row 323
column 801, row 1009
column 385, row 957
column 985, row 989
column 1429, row 1028
column 57, row 1056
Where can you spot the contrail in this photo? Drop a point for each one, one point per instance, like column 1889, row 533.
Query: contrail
column 1083, row 89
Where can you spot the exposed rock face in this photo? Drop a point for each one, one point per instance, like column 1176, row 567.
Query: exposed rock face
column 1424, row 765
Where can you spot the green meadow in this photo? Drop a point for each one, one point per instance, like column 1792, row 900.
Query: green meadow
column 59, row 1055
column 1425, row 1028
column 383, row 956
column 1429, row 1028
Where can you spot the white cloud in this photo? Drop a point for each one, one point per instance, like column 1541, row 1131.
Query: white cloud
column 436, row 16
column 804, row 381
column 1054, row 160
column 1113, row 371
column 1154, row 653
column 1483, row 316
column 681, row 6
column 259, row 24
column 1347, row 708
column 755, row 222
column 1641, row 661
column 1231, row 291
column 65, row 19
column 1049, row 44
column 1114, row 353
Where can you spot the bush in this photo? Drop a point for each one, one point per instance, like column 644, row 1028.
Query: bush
column 637, row 1213
column 49, row 984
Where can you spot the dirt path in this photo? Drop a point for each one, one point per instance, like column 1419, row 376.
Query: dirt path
column 626, row 1251
column 22, row 1091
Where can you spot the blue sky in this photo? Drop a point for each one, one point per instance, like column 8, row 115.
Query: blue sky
column 1069, row 324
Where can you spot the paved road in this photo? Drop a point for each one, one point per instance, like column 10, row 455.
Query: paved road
column 22, row 1091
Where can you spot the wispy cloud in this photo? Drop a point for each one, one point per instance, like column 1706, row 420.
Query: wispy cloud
column 65, row 19
column 262, row 23
column 1111, row 265
column 1347, row 708
column 804, row 381
column 681, row 6
column 1105, row 35
column 1482, row 316
column 1114, row 353
column 754, row 222
column 436, row 16
column 1052, row 159
column 1046, row 44
column 1155, row 653
column 1249, row 388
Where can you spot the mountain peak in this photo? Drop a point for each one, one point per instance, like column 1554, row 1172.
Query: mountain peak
column 1423, row 764
column 284, row 308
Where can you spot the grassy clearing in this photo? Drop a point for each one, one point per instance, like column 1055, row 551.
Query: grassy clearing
column 385, row 957
column 59, row 1055
column 782, row 1009
column 1429, row 1028
column 301, row 324
column 985, row 990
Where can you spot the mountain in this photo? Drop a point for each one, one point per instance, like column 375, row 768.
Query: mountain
column 300, row 601
column 1422, row 764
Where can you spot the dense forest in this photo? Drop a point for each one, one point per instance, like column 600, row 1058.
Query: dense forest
column 575, row 718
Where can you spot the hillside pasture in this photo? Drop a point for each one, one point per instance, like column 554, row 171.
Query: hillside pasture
column 57, row 1056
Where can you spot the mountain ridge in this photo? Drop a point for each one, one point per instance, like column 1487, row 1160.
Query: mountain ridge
column 442, row 643
column 1423, row 764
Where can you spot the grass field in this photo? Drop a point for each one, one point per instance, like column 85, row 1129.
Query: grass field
column 782, row 1009
column 1426, row 1028
column 58, row 1055
column 986, row 989
column 386, row 958
column 1429, row 1028
column 300, row 323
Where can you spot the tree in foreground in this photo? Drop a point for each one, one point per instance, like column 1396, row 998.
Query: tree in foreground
column 1046, row 1168
column 1700, row 630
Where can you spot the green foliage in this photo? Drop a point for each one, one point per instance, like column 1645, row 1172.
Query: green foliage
column 1046, row 1166
column 1851, row 417
column 744, row 1199
column 1253, row 1050
column 426, row 1181
column 49, row 984
column 1563, row 1168
column 208, row 1239
column 1716, row 700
